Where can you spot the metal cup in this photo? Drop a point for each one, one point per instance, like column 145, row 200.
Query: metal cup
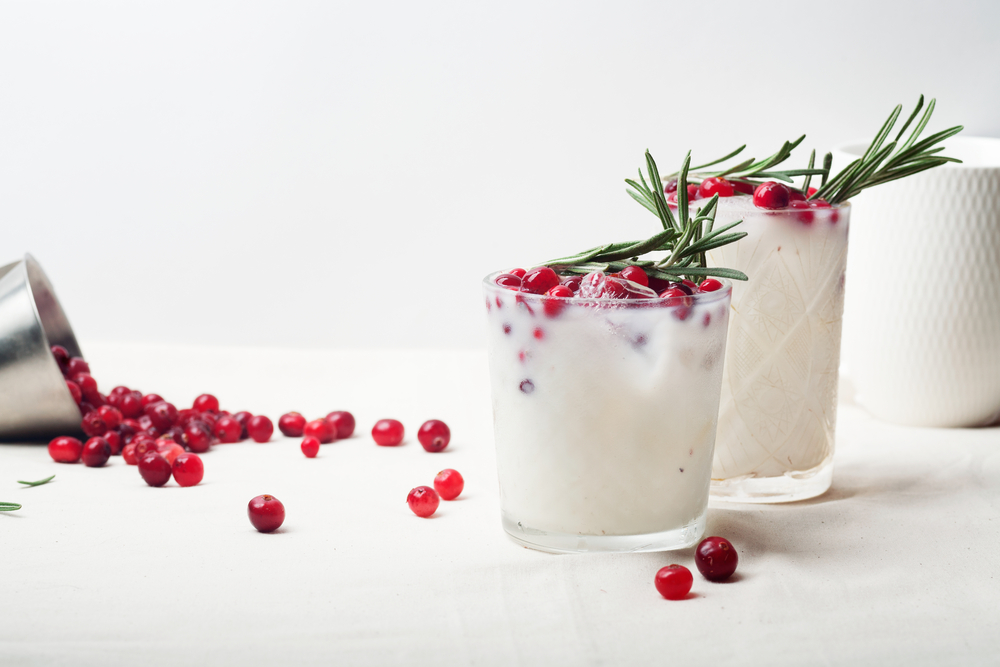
column 34, row 400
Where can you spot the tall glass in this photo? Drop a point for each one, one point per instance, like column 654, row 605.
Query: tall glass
column 779, row 389
column 604, row 415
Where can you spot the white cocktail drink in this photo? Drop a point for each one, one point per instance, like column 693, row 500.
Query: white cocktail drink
column 779, row 391
column 605, row 414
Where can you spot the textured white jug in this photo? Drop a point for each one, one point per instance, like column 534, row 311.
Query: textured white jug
column 921, row 336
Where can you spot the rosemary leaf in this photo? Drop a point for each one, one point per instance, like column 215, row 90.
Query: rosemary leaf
column 39, row 482
column 9, row 507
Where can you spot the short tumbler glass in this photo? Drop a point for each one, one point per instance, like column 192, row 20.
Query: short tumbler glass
column 604, row 414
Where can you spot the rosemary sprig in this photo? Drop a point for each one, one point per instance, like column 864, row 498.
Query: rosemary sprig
column 39, row 482
column 883, row 162
column 9, row 507
column 757, row 171
column 684, row 239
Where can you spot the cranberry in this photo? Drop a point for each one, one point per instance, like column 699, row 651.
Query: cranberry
column 636, row 275
column 560, row 291
column 266, row 513
column 804, row 216
column 145, row 423
column 291, row 424
column 187, row 469
column 206, row 403
column 96, row 452
column 260, row 428
column 197, row 436
column 93, row 425
column 671, row 186
column 819, row 203
column 573, row 282
column 539, row 281
column 434, row 435
column 77, row 365
column 423, row 500
column 171, row 452
column 322, row 430
column 244, row 417
column 227, row 429
column 143, row 446
column 61, row 355
column 111, row 416
column 65, row 449
column 674, row 293
column 343, row 423
column 128, row 453
column 771, row 195
column 114, row 441
column 387, row 432
column 743, row 187
column 74, row 391
column 716, row 186
column 710, row 285
column 796, row 195
column 88, row 386
column 154, row 469
column 161, row 414
column 449, row 484
column 310, row 446
column 692, row 191
column 716, row 558
column 150, row 398
column 553, row 307
column 130, row 406
column 509, row 281
column 674, row 582
column 120, row 390
column 517, row 272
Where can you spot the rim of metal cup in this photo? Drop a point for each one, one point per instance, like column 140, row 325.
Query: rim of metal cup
column 37, row 402
column 968, row 149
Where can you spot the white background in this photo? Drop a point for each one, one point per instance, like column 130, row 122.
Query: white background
column 343, row 174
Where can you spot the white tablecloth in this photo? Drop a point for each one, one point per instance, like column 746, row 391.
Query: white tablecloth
column 896, row 565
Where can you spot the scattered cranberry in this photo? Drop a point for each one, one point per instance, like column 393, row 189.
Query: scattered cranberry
column 74, row 391
column 170, row 451
column 163, row 415
column 434, row 435
column 716, row 558
column 244, row 417
column 674, row 582
column 144, row 446
column 449, row 484
column 150, row 398
column 291, row 424
column 128, row 453
column 710, row 285
column 130, row 406
column 65, row 449
column 387, row 432
column 266, row 513
column 227, row 429
column 636, row 275
column 88, row 386
column 115, row 441
column 111, row 416
column 310, row 446
column 539, row 281
column 77, row 365
column 187, row 469
column 343, row 423
column 61, row 355
column 96, row 452
column 93, row 425
column 197, row 436
column 260, row 428
column 509, row 281
column 771, row 195
column 154, row 469
column 322, row 430
column 423, row 500
column 716, row 186
column 206, row 403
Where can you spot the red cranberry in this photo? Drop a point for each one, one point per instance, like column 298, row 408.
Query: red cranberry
column 227, row 429
column 322, row 430
column 144, row 445
column 93, row 425
column 88, row 387
column 120, row 390
column 449, row 484
column 343, row 423
column 310, row 446
column 539, row 281
column 244, row 417
column 291, row 424
column 65, row 449
column 434, row 435
column 171, row 452
column 197, row 436
column 61, row 355
column 260, row 428
column 560, row 291
column 114, row 441
column 128, row 453
column 671, row 186
column 423, row 500
column 573, row 282
column 509, row 281
column 145, row 423
column 74, row 391
column 77, row 365
column 387, row 432
column 771, row 195
column 674, row 582
column 150, row 398
column 266, row 513
column 162, row 415
column 716, row 558
column 636, row 275
column 674, row 293
column 743, row 187
column 130, row 406
column 710, row 285
column 517, row 272
column 187, row 469
column 206, row 403
column 796, row 195
column 96, row 452
column 553, row 307
column 803, row 216
column 111, row 416
column 154, row 469
column 716, row 186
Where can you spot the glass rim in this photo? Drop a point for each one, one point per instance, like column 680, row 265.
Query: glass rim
column 725, row 292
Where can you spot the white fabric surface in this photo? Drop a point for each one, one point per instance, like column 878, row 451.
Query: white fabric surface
column 896, row 565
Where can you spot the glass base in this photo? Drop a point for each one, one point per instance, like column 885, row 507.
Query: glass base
column 565, row 543
column 787, row 488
